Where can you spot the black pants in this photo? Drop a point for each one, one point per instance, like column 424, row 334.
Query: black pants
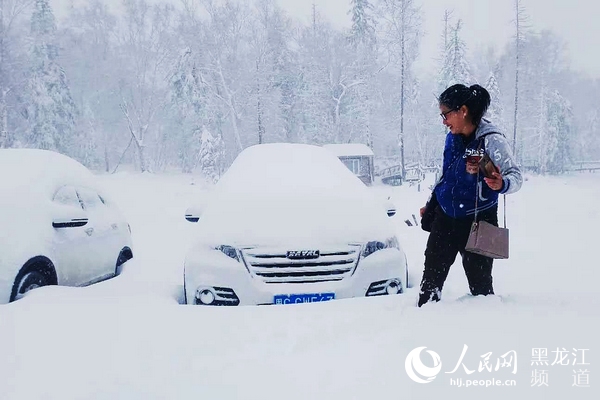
column 448, row 237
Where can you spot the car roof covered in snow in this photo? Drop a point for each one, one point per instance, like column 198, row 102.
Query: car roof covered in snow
column 274, row 191
column 27, row 162
column 290, row 168
column 41, row 171
column 349, row 149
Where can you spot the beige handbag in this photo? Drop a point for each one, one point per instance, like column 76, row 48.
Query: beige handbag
column 486, row 239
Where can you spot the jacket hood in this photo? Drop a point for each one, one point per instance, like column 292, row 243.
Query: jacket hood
column 485, row 127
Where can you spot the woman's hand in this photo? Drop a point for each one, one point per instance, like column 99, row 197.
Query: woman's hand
column 422, row 211
column 495, row 182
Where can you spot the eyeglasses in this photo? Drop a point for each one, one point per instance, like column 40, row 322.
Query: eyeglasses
column 444, row 114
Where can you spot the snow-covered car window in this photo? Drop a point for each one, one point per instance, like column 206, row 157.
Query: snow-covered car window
column 90, row 198
column 67, row 195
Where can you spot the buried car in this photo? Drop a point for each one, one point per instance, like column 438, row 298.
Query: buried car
column 289, row 223
column 58, row 227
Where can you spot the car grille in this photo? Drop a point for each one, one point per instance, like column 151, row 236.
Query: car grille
column 272, row 266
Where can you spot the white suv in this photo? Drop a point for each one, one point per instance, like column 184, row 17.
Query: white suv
column 289, row 223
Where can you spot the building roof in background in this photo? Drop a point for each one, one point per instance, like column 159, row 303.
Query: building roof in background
column 349, row 149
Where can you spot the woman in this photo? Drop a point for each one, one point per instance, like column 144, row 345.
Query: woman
column 470, row 138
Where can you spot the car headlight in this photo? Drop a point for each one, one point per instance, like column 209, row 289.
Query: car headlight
column 372, row 247
column 229, row 251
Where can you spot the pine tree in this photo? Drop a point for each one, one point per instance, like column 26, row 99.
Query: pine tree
column 363, row 23
column 455, row 68
column 211, row 153
column 442, row 82
column 363, row 41
column 316, row 118
column 495, row 111
column 52, row 112
column 558, row 135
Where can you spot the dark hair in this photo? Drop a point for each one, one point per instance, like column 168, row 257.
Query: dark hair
column 476, row 98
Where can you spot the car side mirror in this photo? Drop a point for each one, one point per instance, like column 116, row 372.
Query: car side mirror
column 390, row 208
column 193, row 213
column 69, row 217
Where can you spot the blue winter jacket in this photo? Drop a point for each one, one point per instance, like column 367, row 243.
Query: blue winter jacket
column 457, row 188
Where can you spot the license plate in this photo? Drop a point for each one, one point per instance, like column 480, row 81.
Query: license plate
column 302, row 298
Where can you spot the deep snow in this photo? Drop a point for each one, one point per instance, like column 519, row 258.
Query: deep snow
column 128, row 338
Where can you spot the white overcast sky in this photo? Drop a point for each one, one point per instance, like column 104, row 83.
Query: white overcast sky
column 484, row 22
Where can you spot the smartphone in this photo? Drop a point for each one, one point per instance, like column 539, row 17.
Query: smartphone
column 487, row 167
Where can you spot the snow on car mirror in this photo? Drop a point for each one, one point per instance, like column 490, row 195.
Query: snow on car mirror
column 193, row 213
column 66, row 216
column 390, row 208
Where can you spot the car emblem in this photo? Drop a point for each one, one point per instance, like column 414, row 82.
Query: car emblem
column 302, row 254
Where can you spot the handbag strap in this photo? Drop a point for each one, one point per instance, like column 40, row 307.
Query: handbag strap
column 479, row 185
column 504, row 212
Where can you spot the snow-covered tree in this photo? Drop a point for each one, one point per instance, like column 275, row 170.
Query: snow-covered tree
column 317, row 109
column 146, row 54
column 542, row 69
column 555, row 144
column 520, row 35
column 254, row 74
column 269, row 43
column 588, row 142
column 52, row 112
column 211, row 153
column 88, row 139
column 11, row 36
column 188, row 105
column 364, row 55
column 88, row 51
column 455, row 68
column 402, row 33
column 227, row 71
column 362, row 31
column 495, row 112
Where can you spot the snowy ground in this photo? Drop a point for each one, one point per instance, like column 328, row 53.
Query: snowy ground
column 128, row 338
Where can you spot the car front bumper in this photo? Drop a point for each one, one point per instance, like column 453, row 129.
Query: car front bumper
column 212, row 274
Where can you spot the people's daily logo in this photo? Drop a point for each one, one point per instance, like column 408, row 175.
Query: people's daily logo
column 423, row 366
column 419, row 372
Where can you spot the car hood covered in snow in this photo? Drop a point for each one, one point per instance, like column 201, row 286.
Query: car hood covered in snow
column 277, row 194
